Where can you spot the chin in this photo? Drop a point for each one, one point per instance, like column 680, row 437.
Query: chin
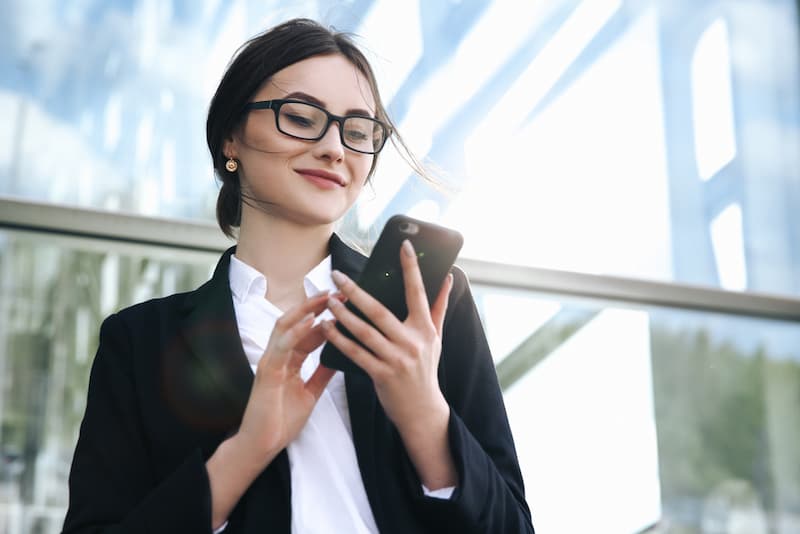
column 321, row 218
column 328, row 212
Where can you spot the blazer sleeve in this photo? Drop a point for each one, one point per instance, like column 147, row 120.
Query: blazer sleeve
column 112, row 487
column 490, row 496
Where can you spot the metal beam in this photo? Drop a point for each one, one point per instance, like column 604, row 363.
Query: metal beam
column 98, row 224
column 204, row 236
column 632, row 290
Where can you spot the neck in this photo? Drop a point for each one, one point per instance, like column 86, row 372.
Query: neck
column 283, row 251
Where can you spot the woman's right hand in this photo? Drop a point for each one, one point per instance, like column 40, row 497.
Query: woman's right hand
column 280, row 400
column 280, row 403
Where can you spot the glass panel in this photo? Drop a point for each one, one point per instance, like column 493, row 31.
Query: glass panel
column 639, row 415
column 582, row 130
column 54, row 295
column 633, row 415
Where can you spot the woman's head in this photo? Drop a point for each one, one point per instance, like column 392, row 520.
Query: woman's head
column 246, row 80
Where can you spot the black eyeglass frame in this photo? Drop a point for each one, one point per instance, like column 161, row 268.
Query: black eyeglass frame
column 275, row 106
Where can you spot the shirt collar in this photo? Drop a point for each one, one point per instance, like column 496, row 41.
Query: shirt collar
column 246, row 281
column 319, row 278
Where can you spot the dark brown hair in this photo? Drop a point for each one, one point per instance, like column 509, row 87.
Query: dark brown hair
column 254, row 63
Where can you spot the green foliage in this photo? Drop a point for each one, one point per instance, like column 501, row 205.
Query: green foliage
column 712, row 419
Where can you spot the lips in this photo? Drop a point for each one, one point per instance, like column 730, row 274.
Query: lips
column 324, row 175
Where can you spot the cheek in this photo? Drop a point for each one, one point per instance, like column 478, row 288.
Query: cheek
column 259, row 140
column 362, row 168
column 261, row 135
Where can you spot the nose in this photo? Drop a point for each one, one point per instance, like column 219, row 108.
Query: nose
column 330, row 145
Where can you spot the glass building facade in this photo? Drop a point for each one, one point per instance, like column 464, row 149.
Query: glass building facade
column 644, row 140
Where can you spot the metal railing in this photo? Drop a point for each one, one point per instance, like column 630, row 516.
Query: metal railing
column 204, row 237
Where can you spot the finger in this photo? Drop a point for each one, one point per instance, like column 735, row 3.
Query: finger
column 304, row 347
column 416, row 299
column 282, row 344
column 312, row 340
column 439, row 308
column 297, row 313
column 291, row 328
column 383, row 319
column 295, row 361
column 362, row 330
column 358, row 354
column 318, row 381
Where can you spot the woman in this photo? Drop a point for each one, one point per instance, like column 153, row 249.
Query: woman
column 208, row 411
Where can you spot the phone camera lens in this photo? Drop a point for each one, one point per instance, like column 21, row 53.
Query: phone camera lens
column 409, row 228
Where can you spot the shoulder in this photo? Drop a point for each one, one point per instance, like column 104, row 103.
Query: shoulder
column 463, row 328
column 466, row 363
column 156, row 307
column 460, row 282
column 153, row 315
column 135, row 338
column 461, row 304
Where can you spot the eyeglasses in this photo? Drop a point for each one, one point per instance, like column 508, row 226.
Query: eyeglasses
column 304, row 120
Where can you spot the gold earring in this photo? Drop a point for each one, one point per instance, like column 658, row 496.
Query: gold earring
column 231, row 165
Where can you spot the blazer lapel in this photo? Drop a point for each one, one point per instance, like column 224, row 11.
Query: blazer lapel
column 220, row 396
column 218, row 371
column 365, row 412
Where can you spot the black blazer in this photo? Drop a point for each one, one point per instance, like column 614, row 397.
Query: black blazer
column 170, row 381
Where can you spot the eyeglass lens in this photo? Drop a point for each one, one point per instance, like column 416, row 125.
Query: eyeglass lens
column 308, row 122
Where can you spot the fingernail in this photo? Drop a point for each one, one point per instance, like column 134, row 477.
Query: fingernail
column 408, row 248
column 339, row 277
column 308, row 317
column 332, row 302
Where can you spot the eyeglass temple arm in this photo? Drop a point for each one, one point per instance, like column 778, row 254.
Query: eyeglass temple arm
column 263, row 104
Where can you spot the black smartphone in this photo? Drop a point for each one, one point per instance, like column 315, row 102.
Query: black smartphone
column 437, row 248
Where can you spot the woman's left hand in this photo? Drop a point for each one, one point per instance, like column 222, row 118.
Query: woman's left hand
column 402, row 359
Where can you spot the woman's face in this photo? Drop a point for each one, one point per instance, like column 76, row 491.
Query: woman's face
column 307, row 182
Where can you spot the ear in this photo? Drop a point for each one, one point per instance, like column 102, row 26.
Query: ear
column 229, row 148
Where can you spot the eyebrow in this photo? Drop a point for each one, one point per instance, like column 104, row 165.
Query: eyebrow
column 299, row 95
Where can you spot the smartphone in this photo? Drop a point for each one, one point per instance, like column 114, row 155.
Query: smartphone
column 437, row 248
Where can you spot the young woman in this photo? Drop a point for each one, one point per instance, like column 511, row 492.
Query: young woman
column 208, row 411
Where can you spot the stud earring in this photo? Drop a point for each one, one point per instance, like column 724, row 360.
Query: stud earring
column 231, row 165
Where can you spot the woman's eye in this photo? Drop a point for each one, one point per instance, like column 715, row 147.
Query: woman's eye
column 299, row 120
column 356, row 135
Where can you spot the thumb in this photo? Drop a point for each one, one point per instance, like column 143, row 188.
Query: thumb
column 319, row 380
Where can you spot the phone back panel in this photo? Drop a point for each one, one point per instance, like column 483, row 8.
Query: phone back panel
column 436, row 248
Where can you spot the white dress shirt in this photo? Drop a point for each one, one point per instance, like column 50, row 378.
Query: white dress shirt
column 328, row 495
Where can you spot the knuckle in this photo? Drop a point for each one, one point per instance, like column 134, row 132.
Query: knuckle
column 405, row 366
column 281, row 344
column 345, row 343
column 362, row 352
column 363, row 332
column 380, row 314
column 373, row 337
column 415, row 346
column 282, row 323
column 352, row 322
column 379, row 375
column 429, row 332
